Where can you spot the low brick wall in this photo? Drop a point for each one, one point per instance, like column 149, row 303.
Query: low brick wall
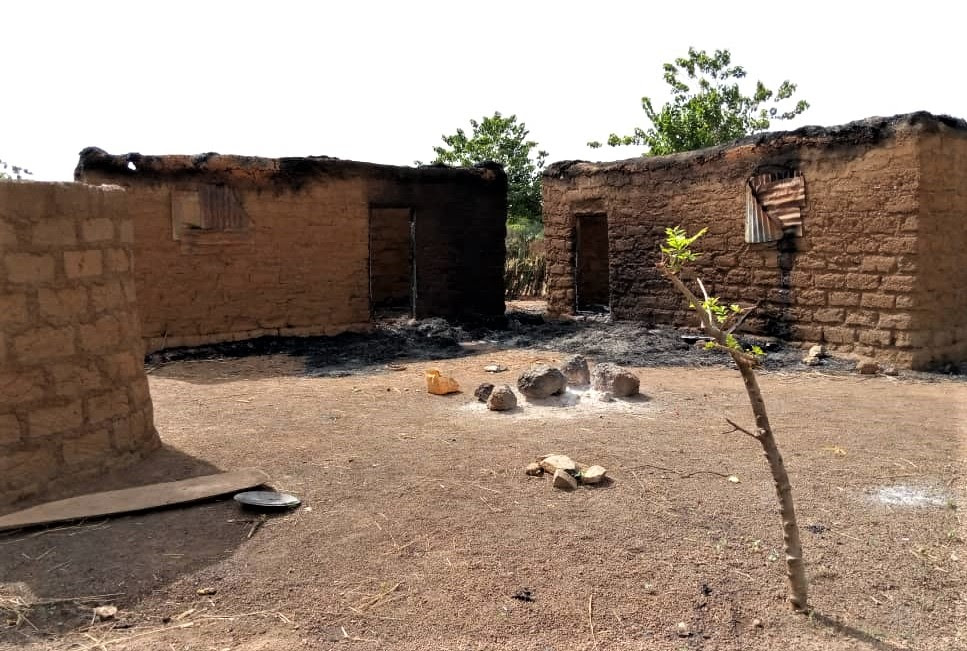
column 74, row 397
column 878, row 270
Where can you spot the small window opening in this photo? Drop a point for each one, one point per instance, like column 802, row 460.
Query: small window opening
column 210, row 209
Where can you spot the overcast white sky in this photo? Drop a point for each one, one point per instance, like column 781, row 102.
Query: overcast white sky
column 381, row 81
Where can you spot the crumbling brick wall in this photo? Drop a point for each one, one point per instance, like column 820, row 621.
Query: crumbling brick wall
column 299, row 262
column 73, row 393
column 883, row 233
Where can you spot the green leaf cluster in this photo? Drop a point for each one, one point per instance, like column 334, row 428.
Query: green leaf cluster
column 502, row 140
column 677, row 247
column 676, row 254
column 710, row 109
column 721, row 313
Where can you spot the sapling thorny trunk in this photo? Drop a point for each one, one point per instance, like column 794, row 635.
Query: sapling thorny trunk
column 720, row 321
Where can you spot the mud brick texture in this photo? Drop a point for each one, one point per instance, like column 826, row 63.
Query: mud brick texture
column 879, row 270
column 73, row 393
column 301, row 263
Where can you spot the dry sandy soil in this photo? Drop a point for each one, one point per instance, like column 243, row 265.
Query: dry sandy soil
column 419, row 530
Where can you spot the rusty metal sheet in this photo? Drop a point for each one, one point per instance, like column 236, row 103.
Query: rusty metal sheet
column 774, row 205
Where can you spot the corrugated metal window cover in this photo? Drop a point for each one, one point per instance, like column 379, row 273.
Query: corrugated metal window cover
column 220, row 209
column 774, row 203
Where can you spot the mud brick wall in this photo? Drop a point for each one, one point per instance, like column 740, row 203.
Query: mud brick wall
column 300, row 265
column 73, row 393
column 878, row 271
column 941, row 281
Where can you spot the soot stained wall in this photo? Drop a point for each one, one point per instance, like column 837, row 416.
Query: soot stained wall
column 878, row 270
column 233, row 247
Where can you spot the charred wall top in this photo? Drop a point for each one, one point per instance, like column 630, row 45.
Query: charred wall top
column 860, row 133
column 282, row 174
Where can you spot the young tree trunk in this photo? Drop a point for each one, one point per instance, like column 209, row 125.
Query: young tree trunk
column 795, row 565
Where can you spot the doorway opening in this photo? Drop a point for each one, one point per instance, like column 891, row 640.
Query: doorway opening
column 392, row 268
column 591, row 282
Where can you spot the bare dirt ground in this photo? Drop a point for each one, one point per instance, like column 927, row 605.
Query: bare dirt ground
column 419, row 530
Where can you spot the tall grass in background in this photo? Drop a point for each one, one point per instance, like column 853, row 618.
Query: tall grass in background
column 525, row 271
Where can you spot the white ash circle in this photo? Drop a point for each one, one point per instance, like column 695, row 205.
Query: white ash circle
column 911, row 496
column 572, row 403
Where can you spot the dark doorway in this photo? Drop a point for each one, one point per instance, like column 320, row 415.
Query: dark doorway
column 591, row 263
column 392, row 274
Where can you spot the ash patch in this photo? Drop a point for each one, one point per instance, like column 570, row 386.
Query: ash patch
column 629, row 343
column 573, row 403
column 340, row 355
column 910, row 496
column 404, row 340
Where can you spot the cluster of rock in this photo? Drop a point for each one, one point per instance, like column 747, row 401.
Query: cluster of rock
column 566, row 472
column 543, row 381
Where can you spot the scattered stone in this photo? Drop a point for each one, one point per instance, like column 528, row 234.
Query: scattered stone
column 612, row 378
column 202, row 592
column 683, row 630
column 867, row 367
column 607, row 396
column 534, row 469
column 495, row 368
column 757, row 623
column 817, row 351
column 576, row 371
column 564, row 480
column 554, row 462
column 815, row 356
column 105, row 612
column 502, row 398
column 892, row 371
column 483, row 391
column 593, row 475
column 541, row 382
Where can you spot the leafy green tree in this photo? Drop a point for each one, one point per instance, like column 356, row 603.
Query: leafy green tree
column 9, row 171
column 502, row 140
column 710, row 109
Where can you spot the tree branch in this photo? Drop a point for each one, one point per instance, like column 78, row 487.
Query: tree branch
column 739, row 428
column 742, row 318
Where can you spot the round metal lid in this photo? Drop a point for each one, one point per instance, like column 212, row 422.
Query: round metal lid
column 268, row 499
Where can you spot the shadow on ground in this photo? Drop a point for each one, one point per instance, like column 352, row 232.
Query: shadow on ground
column 51, row 578
column 854, row 633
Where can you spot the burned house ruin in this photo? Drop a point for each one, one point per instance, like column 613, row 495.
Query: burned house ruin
column 235, row 247
column 852, row 236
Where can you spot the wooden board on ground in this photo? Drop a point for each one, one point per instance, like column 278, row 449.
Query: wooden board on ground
column 140, row 498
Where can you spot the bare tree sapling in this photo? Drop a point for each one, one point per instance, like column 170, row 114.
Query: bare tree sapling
column 719, row 322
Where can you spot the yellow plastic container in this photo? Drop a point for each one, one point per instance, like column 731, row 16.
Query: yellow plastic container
column 439, row 384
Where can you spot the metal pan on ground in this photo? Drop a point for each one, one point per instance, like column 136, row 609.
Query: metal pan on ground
column 267, row 500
